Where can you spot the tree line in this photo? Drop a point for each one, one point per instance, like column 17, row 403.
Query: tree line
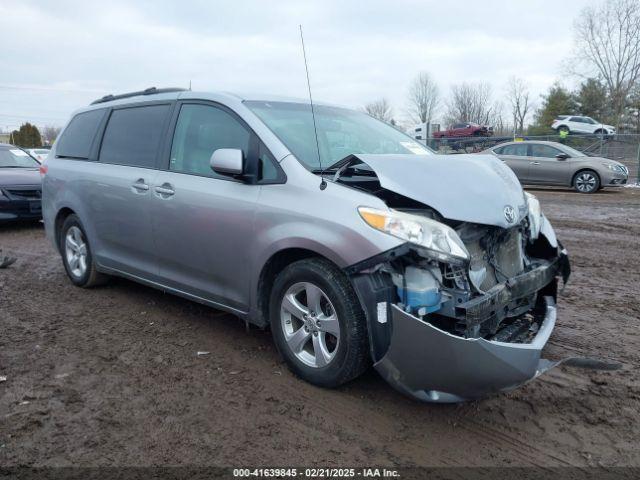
column 606, row 60
column 30, row 136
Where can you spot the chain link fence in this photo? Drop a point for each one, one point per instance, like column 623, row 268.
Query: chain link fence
column 624, row 148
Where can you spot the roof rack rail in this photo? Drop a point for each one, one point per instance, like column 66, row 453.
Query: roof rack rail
column 148, row 91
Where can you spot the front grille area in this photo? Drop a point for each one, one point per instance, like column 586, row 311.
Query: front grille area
column 504, row 261
column 24, row 193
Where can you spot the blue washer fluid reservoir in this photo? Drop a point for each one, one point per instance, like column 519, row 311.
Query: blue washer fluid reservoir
column 420, row 289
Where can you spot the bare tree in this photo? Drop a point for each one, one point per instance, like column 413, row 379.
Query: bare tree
column 380, row 109
column 470, row 103
column 518, row 96
column 49, row 134
column 608, row 42
column 423, row 98
column 497, row 120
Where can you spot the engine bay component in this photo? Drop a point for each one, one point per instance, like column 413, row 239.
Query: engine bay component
column 419, row 290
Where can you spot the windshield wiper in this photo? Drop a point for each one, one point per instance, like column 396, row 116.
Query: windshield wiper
column 334, row 166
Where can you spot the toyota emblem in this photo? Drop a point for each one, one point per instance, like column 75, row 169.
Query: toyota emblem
column 510, row 214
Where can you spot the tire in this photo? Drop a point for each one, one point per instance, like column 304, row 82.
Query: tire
column 328, row 353
column 75, row 245
column 586, row 181
column 563, row 128
column 600, row 132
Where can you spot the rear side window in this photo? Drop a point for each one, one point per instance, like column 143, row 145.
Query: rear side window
column 133, row 136
column 77, row 138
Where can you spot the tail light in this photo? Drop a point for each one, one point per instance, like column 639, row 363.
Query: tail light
column 43, row 170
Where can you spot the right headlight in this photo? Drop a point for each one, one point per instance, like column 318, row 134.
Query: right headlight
column 440, row 241
column 614, row 167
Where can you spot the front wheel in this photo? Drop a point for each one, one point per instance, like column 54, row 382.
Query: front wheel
column 318, row 324
column 586, row 181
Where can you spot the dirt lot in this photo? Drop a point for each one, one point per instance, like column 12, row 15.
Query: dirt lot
column 111, row 376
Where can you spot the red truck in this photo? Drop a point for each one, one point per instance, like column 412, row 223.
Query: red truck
column 464, row 130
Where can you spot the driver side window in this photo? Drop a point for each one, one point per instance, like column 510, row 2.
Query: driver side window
column 201, row 130
column 545, row 151
column 519, row 150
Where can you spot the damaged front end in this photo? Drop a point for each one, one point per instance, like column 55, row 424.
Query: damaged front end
column 463, row 310
column 446, row 333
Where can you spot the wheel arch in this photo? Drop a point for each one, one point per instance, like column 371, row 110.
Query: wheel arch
column 61, row 216
column 271, row 268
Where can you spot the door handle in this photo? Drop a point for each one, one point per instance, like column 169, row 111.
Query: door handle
column 534, row 163
column 139, row 186
column 165, row 190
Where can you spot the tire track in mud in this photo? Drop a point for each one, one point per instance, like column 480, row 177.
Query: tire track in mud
column 522, row 450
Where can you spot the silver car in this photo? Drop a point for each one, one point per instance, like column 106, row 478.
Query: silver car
column 552, row 163
column 354, row 244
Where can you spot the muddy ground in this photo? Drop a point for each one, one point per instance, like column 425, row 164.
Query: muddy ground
column 111, row 376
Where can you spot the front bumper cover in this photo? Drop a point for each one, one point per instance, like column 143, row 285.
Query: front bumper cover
column 17, row 209
column 432, row 365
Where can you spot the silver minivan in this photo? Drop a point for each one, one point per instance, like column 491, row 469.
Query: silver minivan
column 352, row 242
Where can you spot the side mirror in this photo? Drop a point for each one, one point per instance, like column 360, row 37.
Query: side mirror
column 562, row 156
column 227, row 161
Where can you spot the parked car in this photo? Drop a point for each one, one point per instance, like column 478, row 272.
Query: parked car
column 551, row 163
column 20, row 186
column 465, row 130
column 579, row 124
column 40, row 154
column 338, row 246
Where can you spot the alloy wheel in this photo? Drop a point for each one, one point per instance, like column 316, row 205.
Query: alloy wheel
column 586, row 182
column 76, row 251
column 310, row 324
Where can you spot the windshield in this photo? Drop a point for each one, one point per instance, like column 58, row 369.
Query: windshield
column 341, row 132
column 15, row 158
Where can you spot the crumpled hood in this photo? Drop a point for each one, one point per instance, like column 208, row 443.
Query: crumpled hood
column 470, row 188
column 19, row 176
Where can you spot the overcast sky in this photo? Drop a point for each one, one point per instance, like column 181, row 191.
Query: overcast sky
column 56, row 56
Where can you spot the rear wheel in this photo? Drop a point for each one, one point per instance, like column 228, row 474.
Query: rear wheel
column 563, row 129
column 586, row 181
column 76, row 255
column 318, row 324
